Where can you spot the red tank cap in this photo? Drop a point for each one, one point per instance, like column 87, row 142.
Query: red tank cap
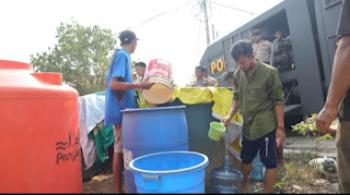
column 49, row 77
column 7, row 64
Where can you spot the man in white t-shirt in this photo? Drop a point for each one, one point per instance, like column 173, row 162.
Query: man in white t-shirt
column 261, row 48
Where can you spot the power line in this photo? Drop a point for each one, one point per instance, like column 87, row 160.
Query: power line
column 196, row 6
column 233, row 8
column 199, row 5
column 156, row 16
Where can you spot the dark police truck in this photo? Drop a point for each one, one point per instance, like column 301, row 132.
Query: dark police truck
column 311, row 26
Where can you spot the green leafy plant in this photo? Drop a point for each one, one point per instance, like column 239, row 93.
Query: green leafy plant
column 82, row 54
column 308, row 126
column 288, row 170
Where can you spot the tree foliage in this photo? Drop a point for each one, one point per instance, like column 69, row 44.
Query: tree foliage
column 82, row 55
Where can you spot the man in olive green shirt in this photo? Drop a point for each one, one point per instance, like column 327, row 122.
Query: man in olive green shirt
column 259, row 96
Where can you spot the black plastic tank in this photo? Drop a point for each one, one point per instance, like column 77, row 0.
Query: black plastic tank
column 225, row 180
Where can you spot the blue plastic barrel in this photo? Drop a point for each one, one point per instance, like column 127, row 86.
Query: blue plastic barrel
column 170, row 172
column 152, row 130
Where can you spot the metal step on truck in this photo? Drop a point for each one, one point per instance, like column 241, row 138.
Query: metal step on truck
column 311, row 27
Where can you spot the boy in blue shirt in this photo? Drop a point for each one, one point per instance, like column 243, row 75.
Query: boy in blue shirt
column 120, row 95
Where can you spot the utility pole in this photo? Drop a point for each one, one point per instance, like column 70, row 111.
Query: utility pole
column 206, row 20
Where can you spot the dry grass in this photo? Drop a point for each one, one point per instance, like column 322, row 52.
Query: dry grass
column 300, row 177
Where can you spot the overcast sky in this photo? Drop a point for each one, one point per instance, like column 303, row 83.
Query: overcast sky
column 178, row 35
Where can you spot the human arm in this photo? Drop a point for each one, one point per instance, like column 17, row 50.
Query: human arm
column 340, row 81
column 119, row 73
column 235, row 102
column 212, row 81
column 272, row 53
column 269, row 46
column 233, row 111
column 134, row 76
column 290, row 50
column 116, row 84
column 280, row 130
column 277, row 97
column 338, row 86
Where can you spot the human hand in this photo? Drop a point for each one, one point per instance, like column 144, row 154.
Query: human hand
column 226, row 120
column 325, row 118
column 145, row 85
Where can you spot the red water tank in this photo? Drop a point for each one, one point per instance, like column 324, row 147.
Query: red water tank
column 39, row 132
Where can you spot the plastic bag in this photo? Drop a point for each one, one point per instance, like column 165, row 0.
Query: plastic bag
column 194, row 95
column 233, row 139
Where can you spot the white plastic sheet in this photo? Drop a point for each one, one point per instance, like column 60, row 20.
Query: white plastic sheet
column 91, row 109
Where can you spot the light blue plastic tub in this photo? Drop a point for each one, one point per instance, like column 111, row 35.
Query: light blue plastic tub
column 170, row 172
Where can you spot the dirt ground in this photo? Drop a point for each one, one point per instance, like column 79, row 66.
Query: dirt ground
column 101, row 183
column 298, row 177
